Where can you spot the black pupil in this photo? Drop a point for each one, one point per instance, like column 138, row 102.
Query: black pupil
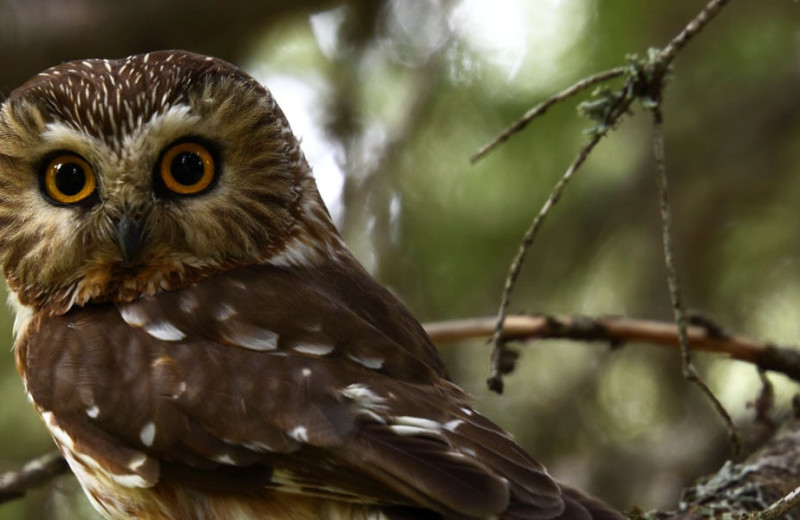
column 187, row 168
column 70, row 179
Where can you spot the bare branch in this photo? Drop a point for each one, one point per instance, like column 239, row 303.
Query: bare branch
column 542, row 107
column 711, row 9
column 617, row 331
column 645, row 81
column 653, row 95
column 499, row 351
column 664, row 57
column 37, row 472
column 673, row 280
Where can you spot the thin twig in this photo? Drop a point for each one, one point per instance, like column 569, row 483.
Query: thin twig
column 673, row 280
column 665, row 56
column 542, row 107
column 666, row 236
column 495, row 380
column 778, row 508
column 499, row 351
column 711, row 9
column 35, row 473
column 618, row 331
column 645, row 81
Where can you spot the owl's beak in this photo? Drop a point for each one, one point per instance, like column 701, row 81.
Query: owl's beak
column 130, row 236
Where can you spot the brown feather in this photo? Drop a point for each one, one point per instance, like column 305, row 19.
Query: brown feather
column 219, row 407
column 243, row 364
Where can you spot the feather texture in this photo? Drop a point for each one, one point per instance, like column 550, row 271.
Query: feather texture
column 240, row 364
column 224, row 414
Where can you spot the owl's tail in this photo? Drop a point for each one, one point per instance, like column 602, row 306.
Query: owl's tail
column 584, row 507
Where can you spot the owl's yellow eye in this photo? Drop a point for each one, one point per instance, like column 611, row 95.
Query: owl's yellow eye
column 187, row 168
column 68, row 179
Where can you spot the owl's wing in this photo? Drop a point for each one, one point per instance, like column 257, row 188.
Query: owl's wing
column 312, row 381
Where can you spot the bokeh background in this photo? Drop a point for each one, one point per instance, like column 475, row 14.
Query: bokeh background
column 391, row 98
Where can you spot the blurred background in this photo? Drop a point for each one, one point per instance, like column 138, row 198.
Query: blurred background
column 392, row 97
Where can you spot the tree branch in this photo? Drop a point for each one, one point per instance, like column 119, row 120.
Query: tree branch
column 766, row 484
column 645, row 81
column 500, row 355
column 702, row 335
column 35, row 473
column 539, row 110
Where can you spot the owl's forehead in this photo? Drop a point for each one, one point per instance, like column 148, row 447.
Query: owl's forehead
column 111, row 98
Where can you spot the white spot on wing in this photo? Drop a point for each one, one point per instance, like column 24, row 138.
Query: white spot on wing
column 254, row 338
column 148, row 434
column 299, row 433
column 452, row 425
column 86, row 467
column 225, row 459
column 93, row 411
column 408, row 425
column 468, row 451
column 133, row 315
column 420, row 422
column 363, row 395
column 401, row 429
column 313, row 349
column 224, row 312
column 181, row 390
column 130, row 480
column 306, row 372
column 137, row 462
column 258, row 446
column 164, row 331
column 369, row 362
column 367, row 402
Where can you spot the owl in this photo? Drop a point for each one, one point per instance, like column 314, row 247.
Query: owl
column 195, row 334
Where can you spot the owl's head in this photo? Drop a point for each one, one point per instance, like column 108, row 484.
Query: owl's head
column 124, row 177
